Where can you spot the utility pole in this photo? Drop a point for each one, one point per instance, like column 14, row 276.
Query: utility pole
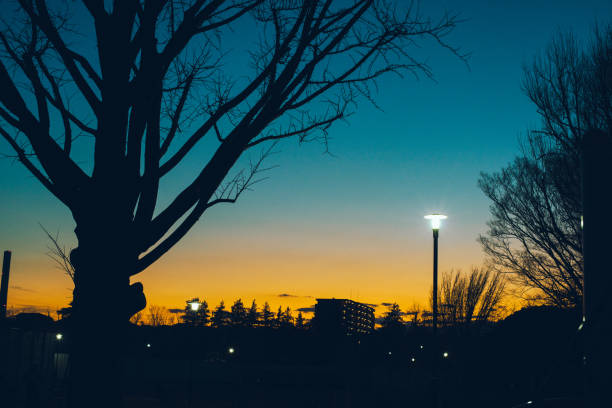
column 6, row 268
column 596, row 244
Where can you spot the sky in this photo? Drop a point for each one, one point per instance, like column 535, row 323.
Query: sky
column 347, row 224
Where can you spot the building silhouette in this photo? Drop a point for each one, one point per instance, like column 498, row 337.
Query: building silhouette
column 343, row 316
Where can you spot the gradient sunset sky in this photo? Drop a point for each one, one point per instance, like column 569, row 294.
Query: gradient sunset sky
column 350, row 224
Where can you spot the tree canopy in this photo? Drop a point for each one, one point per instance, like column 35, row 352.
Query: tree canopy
column 535, row 232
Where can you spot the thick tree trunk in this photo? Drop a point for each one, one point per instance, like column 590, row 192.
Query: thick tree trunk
column 102, row 305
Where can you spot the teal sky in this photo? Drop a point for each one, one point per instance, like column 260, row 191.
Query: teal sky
column 362, row 207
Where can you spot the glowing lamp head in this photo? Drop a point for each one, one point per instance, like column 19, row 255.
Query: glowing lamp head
column 59, row 336
column 195, row 306
column 436, row 220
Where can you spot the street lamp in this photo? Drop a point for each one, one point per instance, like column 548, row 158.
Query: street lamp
column 436, row 220
column 194, row 305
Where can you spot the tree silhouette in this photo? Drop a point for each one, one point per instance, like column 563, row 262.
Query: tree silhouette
column 535, row 233
column 253, row 315
column 469, row 298
column 199, row 317
column 59, row 255
column 267, row 317
column 299, row 321
column 136, row 319
column 238, row 315
column 416, row 311
column 278, row 319
column 286, row 318
column 392, row 318
column 146, row 83
column 159, row 316
column 220, row 316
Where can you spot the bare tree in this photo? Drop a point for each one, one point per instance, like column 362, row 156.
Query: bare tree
column 469, row 298
column 159, row 316
column 59, row 254
column 535, row 233
column 137, row 319
column 530, row 238
column 144, row 83
column 416, row 312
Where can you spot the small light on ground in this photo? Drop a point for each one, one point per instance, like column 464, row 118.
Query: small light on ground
column 59, row 336
column 529, row 402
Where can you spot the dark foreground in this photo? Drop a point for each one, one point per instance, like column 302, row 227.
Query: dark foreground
column 529, row 357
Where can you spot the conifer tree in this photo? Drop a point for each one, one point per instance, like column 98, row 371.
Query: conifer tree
column 299, row 321
column 287, row 318
column 238, row 315
column 279, row 317
column 198, row 317
column 393, row 317
column 267, row 316
column 253, row 315
column 219, row 317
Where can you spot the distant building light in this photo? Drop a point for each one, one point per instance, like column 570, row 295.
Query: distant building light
column 445, row 354
column 231, row 350
column 148, row 345
column 195, row 306
column 389, row 353
column 421, row 347
column 59, row 336
column 529, row 402
column 413, row 359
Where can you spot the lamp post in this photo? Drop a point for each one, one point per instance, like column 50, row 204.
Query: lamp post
column 194, row 305
column 436, row 220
